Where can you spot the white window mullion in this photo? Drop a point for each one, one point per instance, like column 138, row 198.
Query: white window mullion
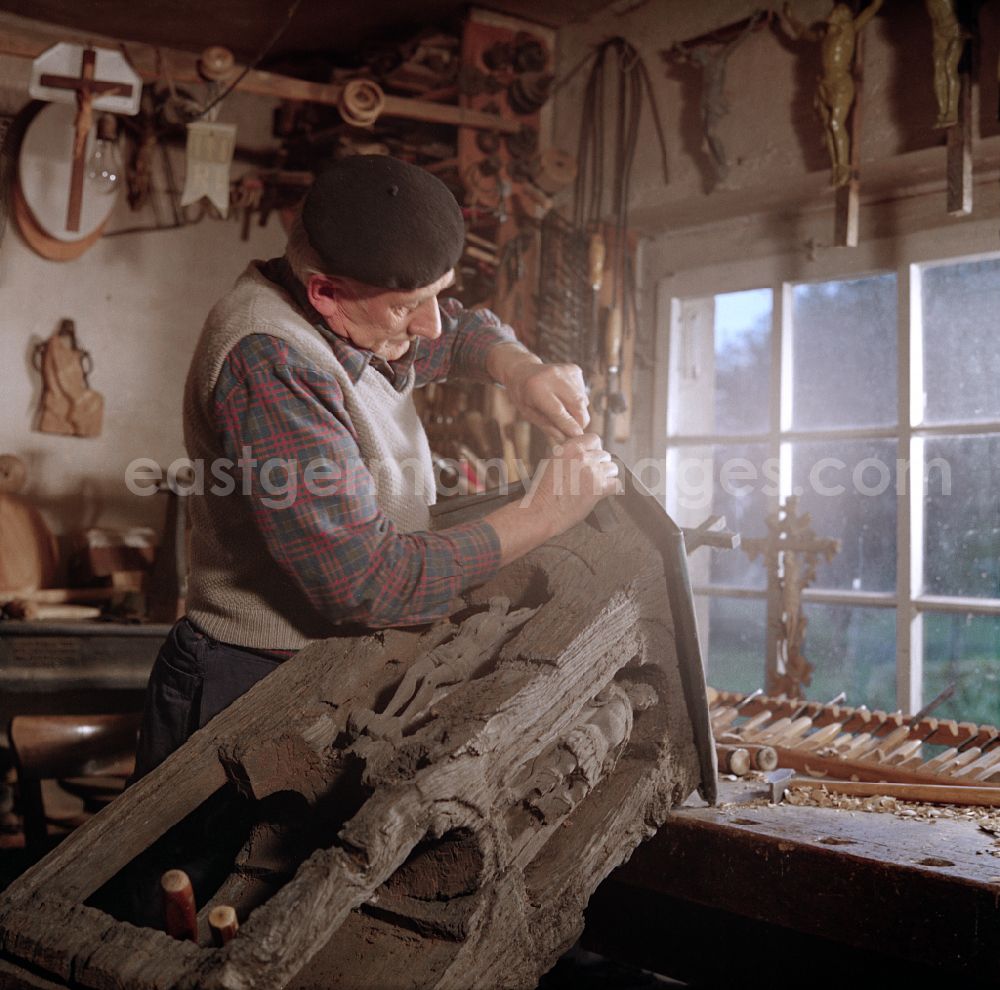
column 909, row 494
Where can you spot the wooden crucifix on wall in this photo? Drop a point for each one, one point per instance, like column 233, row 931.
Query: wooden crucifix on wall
column 95, row 79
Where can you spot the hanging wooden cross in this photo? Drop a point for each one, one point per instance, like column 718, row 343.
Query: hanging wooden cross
column 95, row 79
column 791, row 551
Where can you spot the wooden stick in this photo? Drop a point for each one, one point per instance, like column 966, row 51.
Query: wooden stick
column 960, row 154
column 60, row 596
column 931, row 793
column 82, row 129
column 180, row 918
column 838, row 768
column 848, row 200
column 223, row 923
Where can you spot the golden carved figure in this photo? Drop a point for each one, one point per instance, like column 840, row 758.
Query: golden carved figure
column 949, row 40
column 835, row 93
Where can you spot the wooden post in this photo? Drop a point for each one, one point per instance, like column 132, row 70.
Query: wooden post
column 179, row 913
column 960, row 153
column 223, row 924
column 848, row 200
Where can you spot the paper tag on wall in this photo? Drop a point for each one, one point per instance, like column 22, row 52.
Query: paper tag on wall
column 210, row 149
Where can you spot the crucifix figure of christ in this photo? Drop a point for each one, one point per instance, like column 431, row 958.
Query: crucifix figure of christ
column 949, row 43
column 791, row 551
column 838, row 37
column 712, row 58
column 87, row 88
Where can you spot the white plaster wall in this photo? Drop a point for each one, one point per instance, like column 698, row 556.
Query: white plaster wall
column 138, row 301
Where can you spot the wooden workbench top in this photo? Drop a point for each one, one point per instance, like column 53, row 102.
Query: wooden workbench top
column 907, row 889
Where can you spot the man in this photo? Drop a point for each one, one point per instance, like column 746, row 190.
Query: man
column 308, row 366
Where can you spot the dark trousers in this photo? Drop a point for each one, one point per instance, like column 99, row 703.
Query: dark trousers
column 193, row 679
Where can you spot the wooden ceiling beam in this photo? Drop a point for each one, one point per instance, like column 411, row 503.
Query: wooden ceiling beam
column 27, row 39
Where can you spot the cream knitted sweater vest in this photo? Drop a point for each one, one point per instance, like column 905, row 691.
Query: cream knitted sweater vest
column 236, row 593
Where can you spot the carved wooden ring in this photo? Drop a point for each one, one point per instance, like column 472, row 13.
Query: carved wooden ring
column 361, row 102
column 216, row 63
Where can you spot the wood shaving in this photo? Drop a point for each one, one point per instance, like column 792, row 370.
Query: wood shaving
column 987, row 819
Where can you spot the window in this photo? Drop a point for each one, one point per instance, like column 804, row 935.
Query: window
column 875, row 398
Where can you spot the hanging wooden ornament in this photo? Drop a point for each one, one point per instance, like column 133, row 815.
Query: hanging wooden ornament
column 210, row 148
column 69, row 405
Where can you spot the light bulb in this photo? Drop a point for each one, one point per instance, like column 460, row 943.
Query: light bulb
column 104, row 167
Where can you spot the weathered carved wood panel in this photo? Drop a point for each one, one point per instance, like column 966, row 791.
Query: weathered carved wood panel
column 430, row 808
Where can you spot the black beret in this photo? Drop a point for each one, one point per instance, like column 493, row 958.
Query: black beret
column 383, row 222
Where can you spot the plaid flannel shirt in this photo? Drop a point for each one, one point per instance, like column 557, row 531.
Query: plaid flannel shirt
column 350, row 561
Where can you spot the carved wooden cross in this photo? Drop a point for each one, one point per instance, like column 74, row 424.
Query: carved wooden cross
column 791, row 551
column 86, row 87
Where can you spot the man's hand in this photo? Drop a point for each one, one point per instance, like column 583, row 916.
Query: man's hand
column 552, row 397
column 563, row 492
column 567, row 486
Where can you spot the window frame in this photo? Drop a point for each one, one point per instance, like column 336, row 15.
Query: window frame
column 908, row 255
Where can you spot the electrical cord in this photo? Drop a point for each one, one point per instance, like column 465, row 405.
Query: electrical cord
column 250, row 66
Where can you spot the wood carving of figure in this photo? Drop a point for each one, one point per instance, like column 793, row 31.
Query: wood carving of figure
column 476, row 641
column 791, row 552
column 797, row 670
column 949, row 40
column 569, row 770
column 69, row 405
column 712, row 61
column 837, row 37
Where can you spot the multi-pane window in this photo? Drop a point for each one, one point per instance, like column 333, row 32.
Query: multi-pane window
column 876, row 400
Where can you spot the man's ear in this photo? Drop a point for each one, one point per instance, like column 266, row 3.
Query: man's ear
column 323, row 295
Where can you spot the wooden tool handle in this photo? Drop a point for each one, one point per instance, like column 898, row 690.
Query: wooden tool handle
column 931, row 793
column 733, row 759
column 613, row 337
column 764, row 758
column 595, row 260
column 223, row 923
column 179, row 913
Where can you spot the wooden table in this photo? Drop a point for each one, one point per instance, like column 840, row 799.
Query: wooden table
column 804, row 895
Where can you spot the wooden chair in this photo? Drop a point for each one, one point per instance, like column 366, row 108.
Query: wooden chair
column 90, row 755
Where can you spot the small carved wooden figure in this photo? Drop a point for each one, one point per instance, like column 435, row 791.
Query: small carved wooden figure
column 949, row 41
column 711, row 60
column 69, row 405
column 838, row 37
column 791, row 552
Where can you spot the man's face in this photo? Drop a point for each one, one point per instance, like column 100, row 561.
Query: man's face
column 381, row 321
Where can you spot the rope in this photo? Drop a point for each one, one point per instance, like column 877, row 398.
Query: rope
column 625, row 78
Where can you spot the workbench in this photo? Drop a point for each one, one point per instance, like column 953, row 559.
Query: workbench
column 75, row 667
column 804, row 896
